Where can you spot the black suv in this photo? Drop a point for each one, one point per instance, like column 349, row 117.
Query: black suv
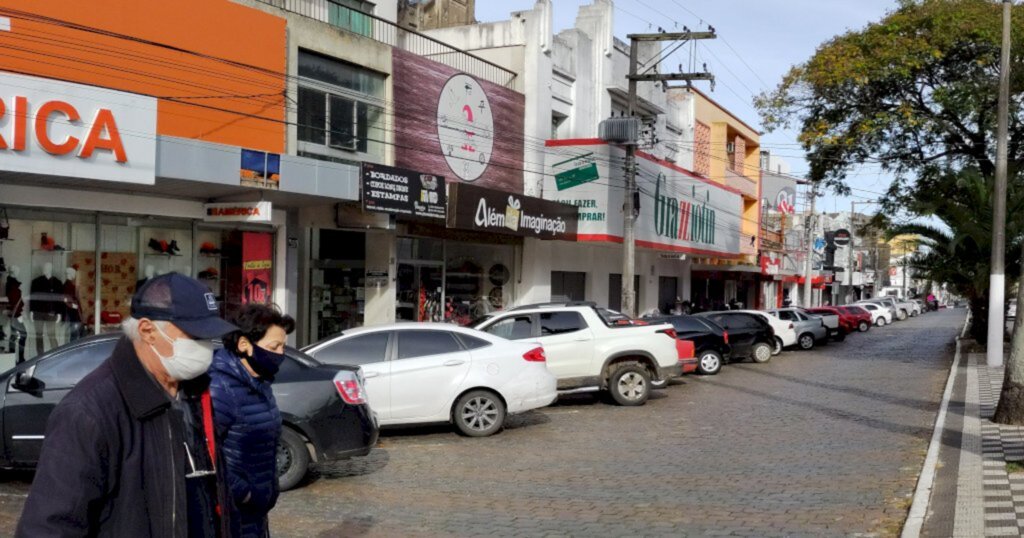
column 748, row 334
column 710, row 345
column 314, row 408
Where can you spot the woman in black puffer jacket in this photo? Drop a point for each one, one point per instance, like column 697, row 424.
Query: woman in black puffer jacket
column 246, row 414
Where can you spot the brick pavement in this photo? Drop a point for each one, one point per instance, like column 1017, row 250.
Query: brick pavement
column 818, row 443
column 812, row 444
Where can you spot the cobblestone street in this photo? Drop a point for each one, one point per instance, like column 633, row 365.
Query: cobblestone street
column 827, row 442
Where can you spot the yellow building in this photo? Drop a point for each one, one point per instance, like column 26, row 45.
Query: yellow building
column 728, row 150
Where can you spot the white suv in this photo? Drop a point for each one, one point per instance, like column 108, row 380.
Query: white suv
column 590, row 349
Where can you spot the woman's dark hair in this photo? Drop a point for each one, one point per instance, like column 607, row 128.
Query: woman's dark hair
column 255, row 320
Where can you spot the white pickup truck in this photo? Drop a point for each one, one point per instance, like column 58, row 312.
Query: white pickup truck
column 591, row 349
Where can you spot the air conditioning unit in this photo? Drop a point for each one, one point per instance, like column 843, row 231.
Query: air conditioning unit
column 620, row 130
column 730, row 147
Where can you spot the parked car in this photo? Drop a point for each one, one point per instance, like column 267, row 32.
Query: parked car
column 589, row 352
column 881, row 314
column 847, row 322
column 810, row 329
column 785, row 332
column 421, row 373
column 864, row 318
column 749, row 335
column 898, row 313
column 323, row 407
column 710, row 340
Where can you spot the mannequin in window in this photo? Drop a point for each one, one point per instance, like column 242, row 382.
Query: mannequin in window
column 45, row 306
column 72, row 306
column 19, row 335
column 149, row 273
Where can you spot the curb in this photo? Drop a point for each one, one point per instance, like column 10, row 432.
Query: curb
column 922, row 494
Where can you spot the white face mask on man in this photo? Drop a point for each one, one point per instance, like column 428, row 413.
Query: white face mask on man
column 189, row 358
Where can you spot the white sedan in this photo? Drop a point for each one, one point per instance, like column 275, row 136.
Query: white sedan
column 880, row 315
column 419, row 373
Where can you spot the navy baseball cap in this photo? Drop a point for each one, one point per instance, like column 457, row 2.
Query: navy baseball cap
column 183, row 301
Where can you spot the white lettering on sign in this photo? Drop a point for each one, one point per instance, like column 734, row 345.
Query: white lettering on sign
column 66, row 129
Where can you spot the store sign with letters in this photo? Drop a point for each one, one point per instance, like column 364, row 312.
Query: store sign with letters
column 403, row 192
column 238, row 212
column 480, row 209
column 65, row 129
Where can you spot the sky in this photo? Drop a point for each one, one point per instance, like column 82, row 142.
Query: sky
column 758, row 41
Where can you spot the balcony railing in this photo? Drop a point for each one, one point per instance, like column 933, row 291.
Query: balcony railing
column 389, row 33
column 746, row 186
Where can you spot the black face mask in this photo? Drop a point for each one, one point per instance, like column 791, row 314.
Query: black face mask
column 265, row 363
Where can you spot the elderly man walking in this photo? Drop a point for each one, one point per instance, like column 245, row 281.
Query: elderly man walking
column 130, row 451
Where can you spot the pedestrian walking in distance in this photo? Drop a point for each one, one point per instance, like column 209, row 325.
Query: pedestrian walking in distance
column 130, row 451
column 247, row 416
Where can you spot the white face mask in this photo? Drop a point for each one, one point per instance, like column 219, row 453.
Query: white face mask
column 189, row 358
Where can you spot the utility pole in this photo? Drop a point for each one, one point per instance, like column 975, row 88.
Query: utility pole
column 849, row 268
column 810, row 248
column 997, row 279
column 630, row 208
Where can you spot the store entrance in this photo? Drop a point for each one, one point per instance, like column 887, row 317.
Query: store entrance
column 337, row 276
column 420, row 284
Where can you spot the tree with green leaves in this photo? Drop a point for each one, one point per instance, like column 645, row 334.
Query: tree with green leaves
column 916, row 93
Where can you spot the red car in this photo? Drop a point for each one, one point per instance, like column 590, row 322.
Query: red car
column 848, row 323
column 863, row 317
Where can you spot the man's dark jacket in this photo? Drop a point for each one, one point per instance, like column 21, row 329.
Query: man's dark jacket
column 113, row 462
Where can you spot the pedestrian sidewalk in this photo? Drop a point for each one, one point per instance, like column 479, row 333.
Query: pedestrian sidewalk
column 973, row 493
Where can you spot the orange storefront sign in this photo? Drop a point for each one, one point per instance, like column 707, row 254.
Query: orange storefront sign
column 217, row 67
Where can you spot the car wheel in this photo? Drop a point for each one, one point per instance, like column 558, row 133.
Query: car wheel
column 840, row 336
column 863, row 326
column 902, row 315
column 292, row 459
column 806, row 341
column 761, row 353
column 629, row 384
column 479, row 413
column 778, row 346
column 710, row 362
column 880, row 322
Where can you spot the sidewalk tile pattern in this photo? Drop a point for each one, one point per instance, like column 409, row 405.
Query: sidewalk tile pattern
column 1003, row 493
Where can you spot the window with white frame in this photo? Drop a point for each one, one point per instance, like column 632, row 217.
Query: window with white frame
column 340, row 107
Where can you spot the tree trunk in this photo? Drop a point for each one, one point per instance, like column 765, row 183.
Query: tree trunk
column 979, row 318
column 1011, row 400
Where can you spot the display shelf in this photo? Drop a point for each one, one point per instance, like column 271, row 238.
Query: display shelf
column 44, row 251
column 162, row 255
column 215, row 256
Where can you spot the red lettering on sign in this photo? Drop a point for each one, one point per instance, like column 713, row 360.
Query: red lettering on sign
column 103, row 135
column 43, row 119
column 104, row 123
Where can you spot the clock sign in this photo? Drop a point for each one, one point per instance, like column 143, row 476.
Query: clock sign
column 465, row 127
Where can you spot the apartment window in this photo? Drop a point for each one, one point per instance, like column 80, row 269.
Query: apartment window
column 351, row 15
column 338, row 106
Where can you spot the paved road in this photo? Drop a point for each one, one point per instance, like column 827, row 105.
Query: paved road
column 827, row 442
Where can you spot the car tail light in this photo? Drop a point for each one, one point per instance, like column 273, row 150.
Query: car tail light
column 725, row 336
column 350, row 388
column 535, row 355
column 671, row 333
column 685, row 350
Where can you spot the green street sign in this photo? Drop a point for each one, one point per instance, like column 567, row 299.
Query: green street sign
column 576, row 176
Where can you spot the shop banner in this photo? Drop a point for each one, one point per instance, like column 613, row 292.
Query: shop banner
column 679, row 210
column 260, row 170
column 238, row 212
column 455, row 125
column 403, row 192
column 257, row 267
column 76, row 130
column 487, row 210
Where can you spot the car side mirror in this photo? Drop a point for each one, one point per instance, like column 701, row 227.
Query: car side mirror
column 26, row 381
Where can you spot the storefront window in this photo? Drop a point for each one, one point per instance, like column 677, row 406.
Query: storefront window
column 44, row 283
column 337, row 291
column 451, row 280
column 478, row 280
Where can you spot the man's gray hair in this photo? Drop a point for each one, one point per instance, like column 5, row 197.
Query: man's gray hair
column 130, row 327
